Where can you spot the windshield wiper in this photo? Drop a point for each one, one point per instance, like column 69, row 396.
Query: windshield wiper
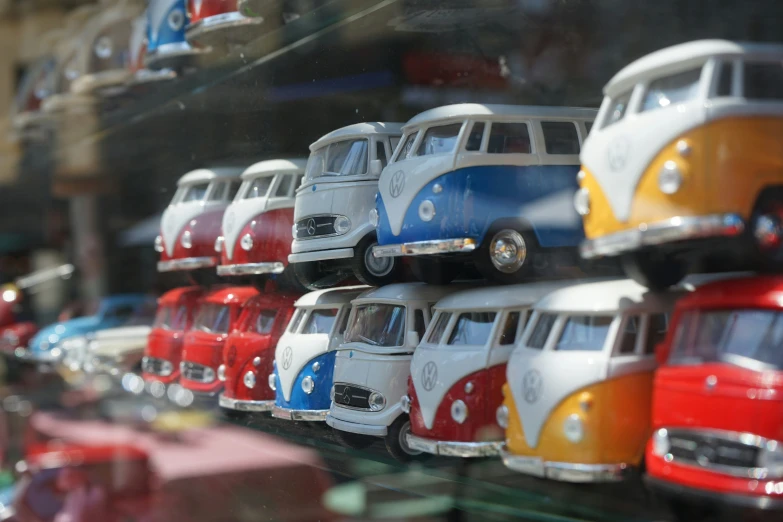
column 365, row 339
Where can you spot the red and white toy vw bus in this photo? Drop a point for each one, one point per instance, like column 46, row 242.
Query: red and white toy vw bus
column 202, row 353
column 191, row 223
column 717, row 412
column 256, row 228
column 249, row 352
column 218, row 24
column 176, row 311
column 459, row 368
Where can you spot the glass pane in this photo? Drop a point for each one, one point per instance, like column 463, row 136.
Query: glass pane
column 284, row 188
column 440, row 326
column 295, row 320
column 265, row 321
column 672, row 90
column 316, row 164
column 584, row 333
column 657, row 327
column 394, row 141
column 619, row 105
column 320, row 321
column 509, row 334
column 419, row 326
column 233, row 188
column 347, row 158
column 380, row 152
column 541, row 331
column 344, row 321
column 163, row 317
column 473, row 142
column 195, row 192
column 378, row 325
column 509, row 138
column 218, row 191
column 407, row 146
column 472, row 328
column 588, row 126
column 259, row 187
column 763, row 81
column 629, row 335
column 724, row 80
column 212, row 318
column 439, row 140
column 560, row 137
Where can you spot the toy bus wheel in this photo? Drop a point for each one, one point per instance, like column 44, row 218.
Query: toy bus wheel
column 767, row 230
column 307, row 274
column 396, row 444
column 353, row 440
column 434, row 271
column 655, row 271
column 507, row 257
column 371, row 270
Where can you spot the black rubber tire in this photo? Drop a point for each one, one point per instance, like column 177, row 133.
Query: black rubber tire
column 483, row 262
column 394, row 443
column 655, row 271
column 363, row 274
column 770, row 203
column 306, row 274
column 353, row 440
column 434, row 271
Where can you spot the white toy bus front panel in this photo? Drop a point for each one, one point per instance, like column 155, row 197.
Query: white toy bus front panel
column 190, row 200
column 568, row 352
column 265, row 192
column 295, row 349
column 449, row 354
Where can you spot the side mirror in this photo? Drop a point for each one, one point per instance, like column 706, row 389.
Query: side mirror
column 413, row 339
column 661, row 353
column 376, row 166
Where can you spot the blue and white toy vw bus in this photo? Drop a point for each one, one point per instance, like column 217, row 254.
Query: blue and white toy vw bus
column 491, row 185
column 333, row 237
column 166, row 44
column 305, row 354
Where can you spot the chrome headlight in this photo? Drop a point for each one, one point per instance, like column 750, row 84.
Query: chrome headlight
column 209, row 375
column 166, row 368
column 582, row 201
column 501, row 416
column 176, row 19
column 186, row 240
column 249, row 379
column 405, row 404
column 316, row 366
column 573, row 428
column 308, row 385
column 342, row 224
column 219, row 244
column 103, row 47
column 271, row 382
column 669, row 178
column 771, row 458
column 660, row 442
column 158, row 244
column 459, row 411
column 426, row 210
column 374, row 219
column 293, row 231
column 246, row 242
column 221, row 374
column 377, row 401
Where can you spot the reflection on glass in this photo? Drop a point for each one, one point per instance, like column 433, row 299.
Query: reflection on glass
column 472, row 328
column 264, row 322
column 440, row 326
column 168, row 318
column 584, row 333
column 439, row 140
column 509, row 138
column 677, row 88
column 541, row 331
column 212, row 318
column 378, row 325
column 258, row 187
column 320, row 321
column 195, row 192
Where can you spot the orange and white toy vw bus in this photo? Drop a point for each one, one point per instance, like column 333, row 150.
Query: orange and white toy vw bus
column 683, row 163
column 579, row 384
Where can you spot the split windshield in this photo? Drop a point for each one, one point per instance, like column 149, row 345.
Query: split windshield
column 213, row 318
column 378, row 325
column 170, row 318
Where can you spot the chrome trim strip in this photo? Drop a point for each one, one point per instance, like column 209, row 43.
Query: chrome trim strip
column 299, row 415
column 272, row 267
column 661, row 232
column 240, row 405
column 308, row 238
column 454, row 448
column 219, row 21
column 735, row 499
column 320, row 255
column 563, row 471
column 188, row 263
column 353, row 427
column 422, row 248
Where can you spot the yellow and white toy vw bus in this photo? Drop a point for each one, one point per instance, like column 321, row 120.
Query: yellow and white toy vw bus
column 684, row 162
column 579, row 384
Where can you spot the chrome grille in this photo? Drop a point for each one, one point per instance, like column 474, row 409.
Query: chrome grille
column 152, row 365
column 193, row 371
column 713, row 449
column 353, row 397
column 315, row 226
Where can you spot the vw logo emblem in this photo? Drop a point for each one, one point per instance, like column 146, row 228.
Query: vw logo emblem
column 618, row 153
column 531, row 386
column 311, row 227
column 230, row 219
column 346, row 396
column 288, row 356
column 397, row 184
column 429, row 375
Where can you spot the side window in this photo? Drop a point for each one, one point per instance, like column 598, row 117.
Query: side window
column 618, row 107
column 407, row 146
column 298, row 182
column 418, row 323
column 509, row 138
column 284, row 187
column 763, row 81
column 380, row 152
column 723, row 87
column 439, row 140
column 541, row 331
column 560, row 137
column 394, row 141
column 584, row 333
column 509, row 334
column 296, row 319
column 473, row 142
column 629, row 335
column 233, row 188
column 218, row 191
column 440, row 326
column 657, row 326
column 588, row 126
column 671, row 90
column 344, row 321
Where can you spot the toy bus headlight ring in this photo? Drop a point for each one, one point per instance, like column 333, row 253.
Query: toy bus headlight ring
column 342, row 224
column 103, row 47
column 209, row 375
column 582, row 201
column 670, row 178
column 249, row 380
column 374, row 220
column 246, row 242
column 271, row 381
column 501, row 416
column 459, row 411
column 166, row 368
column 308, row 385
column 221, row 374
column 219, row 244
column 405, row 404
column 377, row 401
column 187, row 239
column 573, row 428
column 660, row 442
column 426, row 210
column 771, row 458
column 158, row 244
column 176, row 19
column 316, row 366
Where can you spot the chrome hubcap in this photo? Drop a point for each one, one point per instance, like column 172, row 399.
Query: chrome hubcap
column 508, row 251
column 406, row 428
column 377, row 266
column 768, row 231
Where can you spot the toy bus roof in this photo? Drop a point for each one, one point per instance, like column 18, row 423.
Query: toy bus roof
column 754, row 291
column 201, row 175
column 497, row 297
column 275, row 165
column 607, row 296
column 230, row 295
column 492, row 112
column 337, row 296
column 177, row 294
column 407, row 292
column 271, row 300
column 685, row 56
column 358, row 130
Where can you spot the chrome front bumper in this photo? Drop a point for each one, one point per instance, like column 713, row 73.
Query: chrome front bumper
column 563, row 471
column 422, row 248
column 320, row 255
column 239, row 405
column 662, row 232
column 299, row 415
column 452, row 448
column 355, row 427
column 251, row 269
column 188, row 263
